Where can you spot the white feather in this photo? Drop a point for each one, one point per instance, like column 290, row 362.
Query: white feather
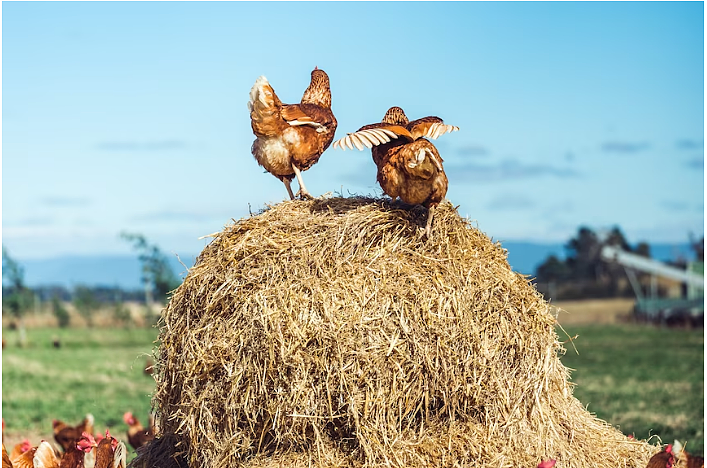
column 356, row 141
column 382, row 137
column 120, row 456
column 256, row 91
column 390, row 133
column 367, row 135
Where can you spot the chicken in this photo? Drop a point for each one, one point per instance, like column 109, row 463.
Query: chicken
column 45, row 457
column 685, row 459
column 149, row 366
column 409, row 165
column 674, row 456
column 109, row 453
column 41, row 456
column 291, row 137
column 6, row 463
column 67, row 436
column 20, row 448
column 137, row 434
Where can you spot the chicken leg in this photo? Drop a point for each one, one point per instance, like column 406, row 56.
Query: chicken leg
column 287, row 183
column 302, row 192
column 428, row 227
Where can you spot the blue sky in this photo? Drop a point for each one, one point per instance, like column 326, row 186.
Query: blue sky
column 131, row 116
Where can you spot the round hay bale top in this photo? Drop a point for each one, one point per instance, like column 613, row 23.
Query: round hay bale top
column 332, row 333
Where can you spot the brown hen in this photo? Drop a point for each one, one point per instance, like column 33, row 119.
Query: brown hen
column 409, row 165
column 6, row 463
column 137, row 434
column 291, row 137
column 41, row 456
column 67, row 436
column 674, row 456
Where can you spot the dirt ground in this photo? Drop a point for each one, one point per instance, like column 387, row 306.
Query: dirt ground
column 593, row 311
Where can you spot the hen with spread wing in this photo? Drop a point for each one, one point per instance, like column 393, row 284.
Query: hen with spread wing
column 409, row 165
column 291, row 137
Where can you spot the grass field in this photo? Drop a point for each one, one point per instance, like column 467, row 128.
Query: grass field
column 646, row 380
column 643, row 379
column 97, row 371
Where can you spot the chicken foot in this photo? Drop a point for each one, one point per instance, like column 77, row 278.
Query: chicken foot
column 302, row 192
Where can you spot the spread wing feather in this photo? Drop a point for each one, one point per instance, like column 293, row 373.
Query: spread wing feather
column 430, row 127
column 373, row 135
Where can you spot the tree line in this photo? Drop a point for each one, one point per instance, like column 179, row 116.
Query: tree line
column 157, row 277
column 583, row 274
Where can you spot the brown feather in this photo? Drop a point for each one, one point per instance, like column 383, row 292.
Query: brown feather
column 292, row 134
column 6, row 463
column 104, row 453
column 420, row 127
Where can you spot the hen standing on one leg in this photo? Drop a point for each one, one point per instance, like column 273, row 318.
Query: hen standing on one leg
column 409, row 165
column 291, row 137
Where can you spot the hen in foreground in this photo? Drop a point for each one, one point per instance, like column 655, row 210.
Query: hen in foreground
column 291, row 137
column 674, row 456
column 409, row 165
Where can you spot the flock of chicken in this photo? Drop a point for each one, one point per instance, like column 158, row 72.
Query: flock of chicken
column 80, row 446
column 290, row 138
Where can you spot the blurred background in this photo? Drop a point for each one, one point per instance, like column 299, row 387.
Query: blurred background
column 126, row 138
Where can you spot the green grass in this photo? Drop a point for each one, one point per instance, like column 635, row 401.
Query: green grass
column 97, row 371
column 643, row 379
column 647, row 381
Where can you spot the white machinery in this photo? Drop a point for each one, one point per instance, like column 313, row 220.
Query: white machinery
column 651, row 306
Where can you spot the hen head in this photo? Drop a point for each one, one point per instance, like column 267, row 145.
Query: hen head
column 25, row 445
column 86, row 442
column 395, row 116
column 129, row 419
column 113, row 440
column 318, row 91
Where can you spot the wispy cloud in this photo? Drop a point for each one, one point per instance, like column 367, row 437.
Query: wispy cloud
column 34, row 221
column 142, row 146
column 172, row 216
column 473, row 150
column 674, row 205
column 511, row 202
column 698, row 162
column 65, row 201
column 688, row 144
column 624, row 147
column 509, row 169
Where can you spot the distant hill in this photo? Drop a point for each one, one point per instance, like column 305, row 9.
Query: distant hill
column 124, row 271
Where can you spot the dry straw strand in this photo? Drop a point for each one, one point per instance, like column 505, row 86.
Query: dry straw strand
column 331, row 333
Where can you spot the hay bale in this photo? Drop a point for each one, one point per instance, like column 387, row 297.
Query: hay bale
column 331, row 333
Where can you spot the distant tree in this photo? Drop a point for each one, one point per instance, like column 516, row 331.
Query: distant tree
column 157, row 275
column 698, row 246
column 85, row 303
column 643, row 249
column 19, row 298
column 553, row 269
column 583, row 255
column 60, row 312
column 583, row 273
